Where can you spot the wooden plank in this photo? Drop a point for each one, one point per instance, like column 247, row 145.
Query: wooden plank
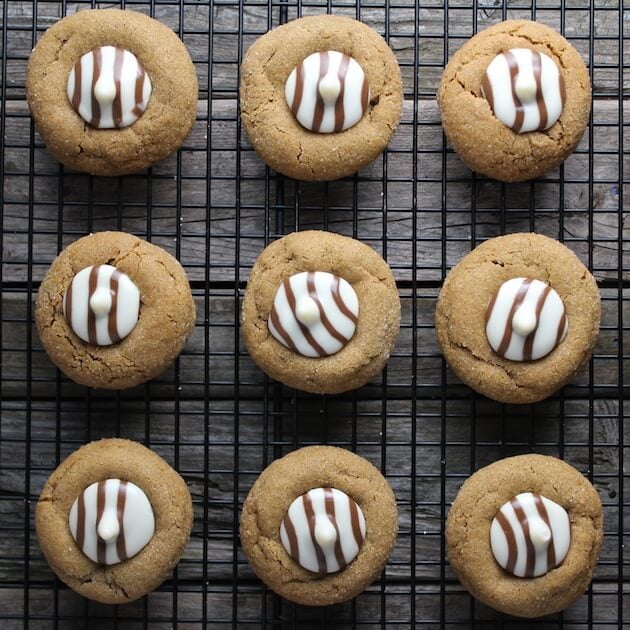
column 220, row 347
column 258, row 444
column 74, row 204
column 403, row 31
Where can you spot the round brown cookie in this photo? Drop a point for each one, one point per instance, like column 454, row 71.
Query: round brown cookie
column 483, row 142
column 284, row 481
column 461, row 316
column 365, row 355
column 159, row 131
column 276, row 134
column 468, row 534
column 166, row 317
column 170, row 501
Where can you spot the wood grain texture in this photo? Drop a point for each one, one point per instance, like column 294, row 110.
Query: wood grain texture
column 217, row 418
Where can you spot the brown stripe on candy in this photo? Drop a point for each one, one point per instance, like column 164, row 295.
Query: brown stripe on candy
column 119, row 56
column 101, row 548
column 299, row 89
column 330, row 511
column 507, row 333
column 520, row 115
column 487, row 91
column 96, row 108
column 511, row 541
column 68, row 305
column 310, row 519
column 318, row 115
column 91, row 317
column 354, row 521
column 340, row 112
column 121, row 544
column 81, row 521
column 112, row 317
column 78, row 78
column 540, row 99
column 275, row 320
column 341, row 305
column 332, row 331
column 491, row 306
column 551, row 551
column 528, row 346
column 139, row 91
column 562, row 87
column 365, row 94
column 305, row 331
column 561, row 326
column 531, row 551
column 293, row 539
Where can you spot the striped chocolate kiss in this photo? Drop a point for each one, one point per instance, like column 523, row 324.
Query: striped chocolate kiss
column 111, row 521
column 314, row 313
column 109, row 88
column 323, row 530
column 327, row 92
column 524, row 89
column 525, row 320
column 530, row 535
column 101, row 305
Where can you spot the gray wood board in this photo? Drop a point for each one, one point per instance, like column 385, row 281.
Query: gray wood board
column 582, row 425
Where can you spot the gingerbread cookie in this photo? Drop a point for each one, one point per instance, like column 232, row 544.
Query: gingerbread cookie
column 105, row 301
column 111, row 91
column 321, row 97
column 318, row 525
column 524, row 535
column 321, row 312
column 518, row 317
column 113, row 520
column 515, row 100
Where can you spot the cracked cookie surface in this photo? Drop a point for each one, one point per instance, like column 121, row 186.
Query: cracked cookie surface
column 461, row 311
column 483, row 142
column 162, row 128
column 468, row 534
column 167, row 312
column 365, row 355
column 169, row 498
column 273, row 130
column 288, row 478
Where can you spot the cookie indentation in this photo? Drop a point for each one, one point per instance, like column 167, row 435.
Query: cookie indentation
column 315, row 313
column 109, row 88
column 525, row 89
column 530, row 535
column 102, row 305
column 525, row 320
column 111, row 520
column 327, row 92
column 323, row 530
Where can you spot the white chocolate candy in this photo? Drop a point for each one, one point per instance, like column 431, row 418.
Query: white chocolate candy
column 525, row 89
column 525, row 320
column 530, row 535
column 111, row 521
column 323, row 530
column 330, row 88
column 109, row 88
column 102, row 305
column 327, row 92
column 315, row 313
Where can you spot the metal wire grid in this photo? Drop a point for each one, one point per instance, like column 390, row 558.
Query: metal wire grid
column 215, row 417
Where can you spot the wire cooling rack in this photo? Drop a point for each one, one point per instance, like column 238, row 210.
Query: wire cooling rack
column 216, row 418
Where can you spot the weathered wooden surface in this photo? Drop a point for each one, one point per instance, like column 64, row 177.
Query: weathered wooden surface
column 221, row 432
